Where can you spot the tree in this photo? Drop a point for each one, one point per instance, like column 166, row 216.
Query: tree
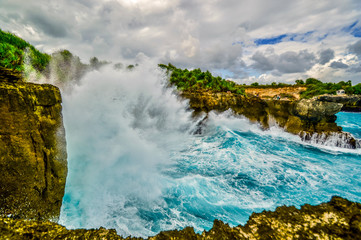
column 357, row 89
column 312, row 81
column 300, row 82
column 94, row 63
column 130, row 67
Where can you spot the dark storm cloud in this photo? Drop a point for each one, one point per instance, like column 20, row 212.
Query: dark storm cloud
column 288, row 62
column 326, row 56
column 338, row 65
column 355, row 48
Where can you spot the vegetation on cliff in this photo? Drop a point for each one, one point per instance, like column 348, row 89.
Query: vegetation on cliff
column 194, row 80
column 315, row 87
column 13, row 50
column 62, row 65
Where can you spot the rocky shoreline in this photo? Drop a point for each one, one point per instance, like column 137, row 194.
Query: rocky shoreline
column 311, row 119
column 337, row 219
column 33, row 163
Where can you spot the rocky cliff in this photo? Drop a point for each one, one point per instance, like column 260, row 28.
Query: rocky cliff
column 312, row 119
column 351, row 103
column 337, row 219
column 33, row 156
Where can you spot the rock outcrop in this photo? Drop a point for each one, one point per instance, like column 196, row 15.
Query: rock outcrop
column 308, row 118
column 33, row 162
column 351, row 103
column 337, row 219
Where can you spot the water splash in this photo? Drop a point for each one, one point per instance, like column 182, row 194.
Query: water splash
column 134, row 164
column 120, row 127
column 334, row 139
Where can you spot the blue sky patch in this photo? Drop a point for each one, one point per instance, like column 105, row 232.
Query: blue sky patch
column 350, row 27
column 353, row 29
column 297, row 37
column 272, row 40
column 356, row 32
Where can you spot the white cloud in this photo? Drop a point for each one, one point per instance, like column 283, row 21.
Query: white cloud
column 215, row 35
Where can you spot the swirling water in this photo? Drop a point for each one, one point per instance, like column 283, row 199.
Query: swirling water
column 136, row 166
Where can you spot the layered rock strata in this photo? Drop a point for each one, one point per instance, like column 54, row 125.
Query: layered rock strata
column 33, row 160
column 337, row 219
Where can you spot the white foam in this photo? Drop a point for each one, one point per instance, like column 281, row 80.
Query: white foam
column 120, row 128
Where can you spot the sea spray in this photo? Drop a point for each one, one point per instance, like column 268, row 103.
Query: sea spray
column 120, row 125
column 136, row 166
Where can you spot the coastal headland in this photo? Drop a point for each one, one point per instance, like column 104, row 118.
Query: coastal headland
column 311, row 119
column 34, row 167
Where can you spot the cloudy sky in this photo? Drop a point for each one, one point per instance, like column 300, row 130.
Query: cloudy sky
column 246, row 40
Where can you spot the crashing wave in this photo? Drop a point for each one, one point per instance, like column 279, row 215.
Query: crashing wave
column 333, row 139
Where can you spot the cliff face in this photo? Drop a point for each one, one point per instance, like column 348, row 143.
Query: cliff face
column 312, row 119
column 32, row 149
column 269, row 93
column 337, row 219
column 350, row 103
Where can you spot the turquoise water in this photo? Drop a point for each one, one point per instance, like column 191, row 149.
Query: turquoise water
column 134, row 164
column 350, row 122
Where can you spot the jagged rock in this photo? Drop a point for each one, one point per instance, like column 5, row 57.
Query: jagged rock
column 253, row 108
column 30, row 229
column 308, row 118
column 33, row 156
column 337, row 219
column 310, row 109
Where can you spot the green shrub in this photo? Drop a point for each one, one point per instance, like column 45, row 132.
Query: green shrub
column 357, row 89
column 194, row 80
column 299, row 82
column 13, row 50
column 315, row 87
column 11, row 57
column 312, row 81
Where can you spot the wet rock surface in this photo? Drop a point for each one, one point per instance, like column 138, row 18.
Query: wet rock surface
column 308, row 118
column 33, row 156
column 337, row 219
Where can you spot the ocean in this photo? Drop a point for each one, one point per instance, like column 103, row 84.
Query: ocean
column 136, row 165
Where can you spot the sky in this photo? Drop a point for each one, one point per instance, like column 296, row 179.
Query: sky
column 243, row 40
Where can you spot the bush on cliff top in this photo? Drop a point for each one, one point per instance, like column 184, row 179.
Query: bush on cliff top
column 194, row 80
column 12, row 53
column 315, row 87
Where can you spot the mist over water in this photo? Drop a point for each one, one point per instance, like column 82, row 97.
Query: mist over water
column 134, row 164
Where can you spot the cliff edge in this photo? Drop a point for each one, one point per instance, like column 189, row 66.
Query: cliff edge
column 33, row 159
column 312, row 119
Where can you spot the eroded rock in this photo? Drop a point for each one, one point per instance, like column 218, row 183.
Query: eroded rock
column 337, row 219
column 308, row 118
column 33, row 156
